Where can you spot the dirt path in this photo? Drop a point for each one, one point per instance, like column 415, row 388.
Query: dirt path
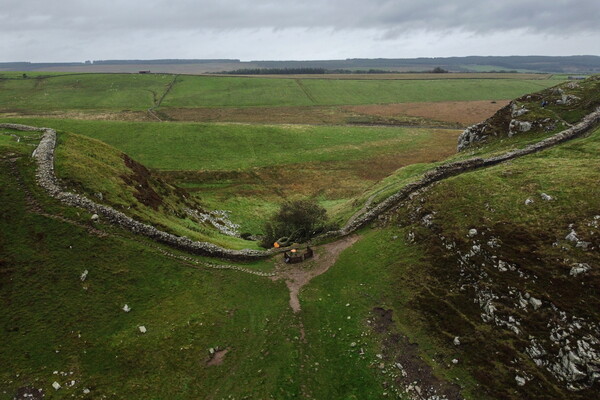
column 298, row 275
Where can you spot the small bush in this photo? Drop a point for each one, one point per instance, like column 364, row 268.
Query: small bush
column 296, row 221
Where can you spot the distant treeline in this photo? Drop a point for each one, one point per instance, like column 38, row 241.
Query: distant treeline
column 163, row 61
column 276, row 71
column 543, row 64
column 317, row 71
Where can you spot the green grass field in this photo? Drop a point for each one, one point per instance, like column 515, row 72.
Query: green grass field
column 118, row 92
column 196, row 146
column 249, row 169
column 235, row 92
column 97, row 92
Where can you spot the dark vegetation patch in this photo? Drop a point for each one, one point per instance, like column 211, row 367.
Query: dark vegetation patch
column 529, row 237
column 140, row 180
column 29, row 393
column 404, row 356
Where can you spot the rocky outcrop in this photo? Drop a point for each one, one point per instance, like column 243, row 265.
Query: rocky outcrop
column 473, row 134
column 517, row 126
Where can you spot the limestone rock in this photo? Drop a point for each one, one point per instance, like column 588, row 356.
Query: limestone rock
column 517, row 126
column 456, row 341
column 471, row 135
column 126, row 308
column 142, row 329
column 572, row 236
column 536, row 303
column 579, row 268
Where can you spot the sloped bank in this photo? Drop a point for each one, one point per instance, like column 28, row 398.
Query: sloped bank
column 447, row 170
column 44, row 155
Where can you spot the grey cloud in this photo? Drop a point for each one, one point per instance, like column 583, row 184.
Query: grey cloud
column 552, row 17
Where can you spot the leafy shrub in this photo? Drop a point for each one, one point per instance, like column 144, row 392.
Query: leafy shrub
column 296, row 221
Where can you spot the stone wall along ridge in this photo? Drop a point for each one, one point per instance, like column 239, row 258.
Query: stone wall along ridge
column 44, row 156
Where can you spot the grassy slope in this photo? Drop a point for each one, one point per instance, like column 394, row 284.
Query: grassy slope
column 253, row 168
column 131, row 189
column 117, row 92
column 54, row 322
column 589, row 99
column 419, row 282
column 83, row 92
column 197, row 146
column 493, row 201
column 230, row 92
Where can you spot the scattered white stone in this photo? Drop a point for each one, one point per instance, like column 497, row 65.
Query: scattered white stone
column 211, row 350
column 472, row 232
column 528, row 202
column 456, row 341
column 142, row 328
column 520, row 380
column 86, row 391
column 536, row 303
column 579, row 268
column 56, row 385
column 546, row 197
column 95, row 217
column 84, row 275
column 454, row 361
column 502, row 266
column 347, row 304
column 126, row 308
column 572, row 236
column 353, row 344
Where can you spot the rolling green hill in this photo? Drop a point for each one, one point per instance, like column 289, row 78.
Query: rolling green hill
column 482, row 286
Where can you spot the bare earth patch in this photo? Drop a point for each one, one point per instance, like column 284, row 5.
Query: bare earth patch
column 460, row 112
column 298, row 275
column 134, row 116
column 453, row 113
column 217, row 358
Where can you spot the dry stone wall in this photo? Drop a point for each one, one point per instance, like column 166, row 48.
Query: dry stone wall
column 44, row 155
column 456, row 168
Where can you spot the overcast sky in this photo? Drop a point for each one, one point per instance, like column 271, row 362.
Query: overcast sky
column 78, row 30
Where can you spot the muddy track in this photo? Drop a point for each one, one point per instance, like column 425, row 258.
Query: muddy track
column 299, row 275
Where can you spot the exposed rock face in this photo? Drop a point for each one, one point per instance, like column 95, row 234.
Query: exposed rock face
column 471, row 135
column 517, row 126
